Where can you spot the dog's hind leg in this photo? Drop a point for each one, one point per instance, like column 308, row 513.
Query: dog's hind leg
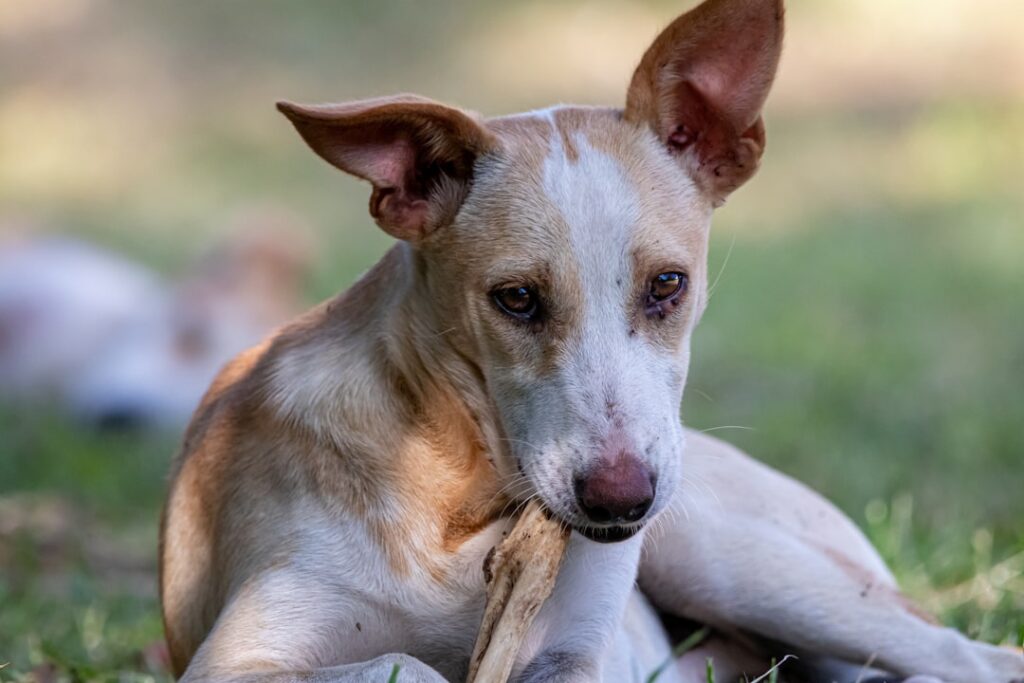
column 762, row 554
column 743, row 575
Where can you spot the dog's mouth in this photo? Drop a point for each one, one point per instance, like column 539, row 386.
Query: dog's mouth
column 601, row 534
column 608, row 534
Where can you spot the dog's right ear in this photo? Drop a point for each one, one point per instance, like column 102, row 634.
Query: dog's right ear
column 701, row 86
column 418, row 155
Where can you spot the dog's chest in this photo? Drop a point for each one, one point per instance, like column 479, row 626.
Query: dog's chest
column 445, row 607
column 428, row 603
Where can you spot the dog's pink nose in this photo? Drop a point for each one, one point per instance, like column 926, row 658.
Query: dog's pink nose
column 617, row 492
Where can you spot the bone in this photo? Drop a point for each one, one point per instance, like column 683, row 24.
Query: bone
column 520, row 572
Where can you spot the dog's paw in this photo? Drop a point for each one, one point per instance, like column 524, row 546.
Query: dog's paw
column 998, row 664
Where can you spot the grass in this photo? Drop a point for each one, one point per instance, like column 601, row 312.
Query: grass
column 690, row 642
column 78, row 515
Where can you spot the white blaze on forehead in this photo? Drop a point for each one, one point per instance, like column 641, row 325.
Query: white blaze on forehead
column 600, row 206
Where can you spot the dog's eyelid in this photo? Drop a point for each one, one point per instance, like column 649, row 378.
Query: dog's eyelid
column 669, row 267
column 505, row 279
column 513, row 283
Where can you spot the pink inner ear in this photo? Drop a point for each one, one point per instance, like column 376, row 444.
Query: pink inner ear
column 713, row 83
column 386, row 164
column 731, row 87
column 405, row 146
column 703, row 81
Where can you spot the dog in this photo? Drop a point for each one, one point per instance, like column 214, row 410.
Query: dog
column 528, row 336
column 114, row 345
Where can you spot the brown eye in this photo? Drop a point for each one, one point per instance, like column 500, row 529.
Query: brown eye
column 667, row 285
column 519, row 302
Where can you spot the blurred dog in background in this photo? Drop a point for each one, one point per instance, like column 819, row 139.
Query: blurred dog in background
column 116, row 345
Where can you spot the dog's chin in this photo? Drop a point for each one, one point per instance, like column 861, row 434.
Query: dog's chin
column 608, row 534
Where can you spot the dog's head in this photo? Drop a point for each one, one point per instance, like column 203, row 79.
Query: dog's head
column 563, row 252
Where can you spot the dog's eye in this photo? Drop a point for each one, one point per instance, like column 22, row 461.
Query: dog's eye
column 666, row 285
column 520, row 302
column 665, row 288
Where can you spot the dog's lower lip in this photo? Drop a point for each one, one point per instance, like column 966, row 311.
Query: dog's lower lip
column 611, row 534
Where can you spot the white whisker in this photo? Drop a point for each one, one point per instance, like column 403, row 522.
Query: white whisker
column 715, row 429
column 711, row 289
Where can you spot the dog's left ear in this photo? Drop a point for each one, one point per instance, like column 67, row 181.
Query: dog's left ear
column 702, row 84
column 418, row 154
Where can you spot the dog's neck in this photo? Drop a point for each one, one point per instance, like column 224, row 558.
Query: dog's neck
column 422, row 345
column 374, row 373
column 444, row 387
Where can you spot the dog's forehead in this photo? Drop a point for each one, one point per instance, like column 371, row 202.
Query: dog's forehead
column 598, row 202
column 582, row 178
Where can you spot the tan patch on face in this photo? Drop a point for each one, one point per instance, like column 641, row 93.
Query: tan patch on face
column 509, row 235
column 670, row 234
column 670, row 231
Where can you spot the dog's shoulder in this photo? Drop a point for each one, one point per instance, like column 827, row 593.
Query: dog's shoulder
column 241, row 390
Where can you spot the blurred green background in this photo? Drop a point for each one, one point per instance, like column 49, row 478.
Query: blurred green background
column 866, row 331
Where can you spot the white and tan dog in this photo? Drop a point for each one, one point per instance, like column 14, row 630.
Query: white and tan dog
column 529, row 335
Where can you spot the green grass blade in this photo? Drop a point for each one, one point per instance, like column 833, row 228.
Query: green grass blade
column 692, row 641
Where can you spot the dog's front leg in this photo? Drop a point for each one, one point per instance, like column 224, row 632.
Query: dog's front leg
column 379, row 670
column 573, row 634
column 290, row 625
